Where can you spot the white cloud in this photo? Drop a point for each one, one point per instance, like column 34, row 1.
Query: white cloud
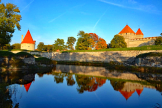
column 132, row 4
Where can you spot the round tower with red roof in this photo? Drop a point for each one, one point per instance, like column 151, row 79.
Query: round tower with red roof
column 28, row 43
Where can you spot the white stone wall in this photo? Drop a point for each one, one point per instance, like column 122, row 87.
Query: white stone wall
column 105, row 56
column 28, row 46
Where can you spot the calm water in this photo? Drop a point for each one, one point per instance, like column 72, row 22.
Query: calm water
column 81, row 87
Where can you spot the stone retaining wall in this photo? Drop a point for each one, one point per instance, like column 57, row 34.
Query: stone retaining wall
column 105, row 56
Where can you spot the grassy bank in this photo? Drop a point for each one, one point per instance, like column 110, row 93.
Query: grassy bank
column 151, row 47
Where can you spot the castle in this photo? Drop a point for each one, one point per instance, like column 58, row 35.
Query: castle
column 136, row 39
column 28, row 43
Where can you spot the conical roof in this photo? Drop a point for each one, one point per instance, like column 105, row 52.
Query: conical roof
column 139, row 32
column 139, row 91
column 126, row 94
column 27, row 86
column 28, row 38
column 126, row 29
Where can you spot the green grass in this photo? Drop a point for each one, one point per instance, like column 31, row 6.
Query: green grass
column 151, row 47
column 151, row 54
column 8, row 53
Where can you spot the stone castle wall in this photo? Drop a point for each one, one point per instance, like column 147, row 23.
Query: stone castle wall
column 105, row 56
column 141, row 42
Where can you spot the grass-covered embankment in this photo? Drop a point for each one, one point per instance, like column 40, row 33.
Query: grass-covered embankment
column 151, row 47
column 150, row 54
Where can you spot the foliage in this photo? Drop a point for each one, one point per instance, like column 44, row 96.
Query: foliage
column 47, row 48
column 59, row 45
column 158, row 41
column 16, row 46
column 118, row 42
column 6, row 54
column 9, row 19
column 101, row 44
column 44, row 60
column 59, row 78
column 88, row 83
column 84, row 41
column 70, row 80
column 117, row 85
column 23, row 54
column 70, row 43
column 40, row 46
column 151, row 54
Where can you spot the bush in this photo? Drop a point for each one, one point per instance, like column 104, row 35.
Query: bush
column 44, row 60
column 158, row 41
column 23, row 54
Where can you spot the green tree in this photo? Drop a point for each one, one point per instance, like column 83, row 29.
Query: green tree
column 40, row 46
column 84, row 41
column 158, row 41
column 9, row 19
column 70, row 42
column 59, row 44
column 118, row 42
column 16, row 46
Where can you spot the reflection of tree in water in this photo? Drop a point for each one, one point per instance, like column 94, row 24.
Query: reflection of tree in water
column 59, row 77
column 40, row 75
column 159, row 87
column 5, row 97
column 88, row 83
column 70, row 80
column 117, row 85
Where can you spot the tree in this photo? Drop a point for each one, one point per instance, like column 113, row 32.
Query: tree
column 84, row 41
column 9, row 19
column 40, row 46
column 118, row 42
column 59, row 44
column 101, row 44
column 70, row 42
column 158, row 41
column 47, row 48
column 16, row 46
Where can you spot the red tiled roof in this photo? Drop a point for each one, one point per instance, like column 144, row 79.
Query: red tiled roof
column 126, row 94
column 28, row 38
column 139, row 91
column 139, row 32
column 126, row 29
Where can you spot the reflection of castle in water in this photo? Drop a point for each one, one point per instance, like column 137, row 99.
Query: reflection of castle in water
column 130, row 88
column 125, row 88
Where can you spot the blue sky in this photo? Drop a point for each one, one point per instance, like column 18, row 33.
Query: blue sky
column 48, row 20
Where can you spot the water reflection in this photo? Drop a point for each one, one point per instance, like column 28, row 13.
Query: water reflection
column 17, row 88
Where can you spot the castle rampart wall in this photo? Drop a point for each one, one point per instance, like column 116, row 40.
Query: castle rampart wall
column 141, row 42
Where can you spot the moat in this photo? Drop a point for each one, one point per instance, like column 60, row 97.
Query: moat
column 80, row 87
